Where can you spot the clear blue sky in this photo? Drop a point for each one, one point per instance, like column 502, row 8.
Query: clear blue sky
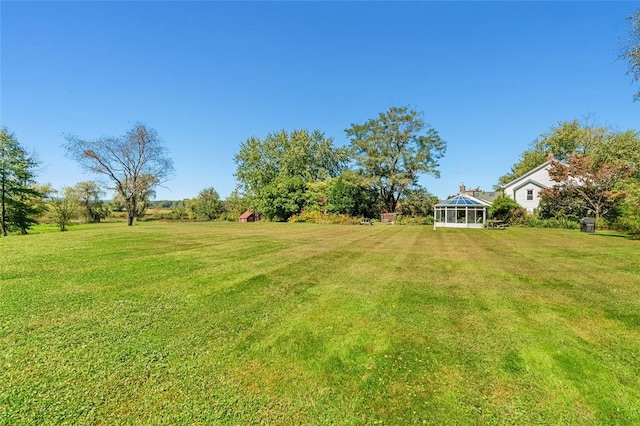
column 489, row 76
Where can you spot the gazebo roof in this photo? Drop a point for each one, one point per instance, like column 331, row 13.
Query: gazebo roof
column 463, row 200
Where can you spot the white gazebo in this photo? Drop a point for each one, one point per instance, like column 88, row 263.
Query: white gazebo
column 461, row 211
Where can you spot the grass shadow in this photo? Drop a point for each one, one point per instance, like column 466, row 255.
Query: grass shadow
column 615, row 235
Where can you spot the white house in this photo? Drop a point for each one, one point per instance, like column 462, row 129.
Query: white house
column 526, row 189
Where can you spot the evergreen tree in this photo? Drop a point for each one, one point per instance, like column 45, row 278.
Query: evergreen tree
column 17, row 185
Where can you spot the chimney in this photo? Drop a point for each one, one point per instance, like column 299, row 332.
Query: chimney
column 462, row 188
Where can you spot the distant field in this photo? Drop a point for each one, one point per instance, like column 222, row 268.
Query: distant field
column 269, row 323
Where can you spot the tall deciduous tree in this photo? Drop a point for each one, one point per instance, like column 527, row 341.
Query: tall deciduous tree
column 17, row 185
column 561, row 140
column 618, row 147
column 393, row 150
column 134, row 164
column 274, row 172
column 631, row 50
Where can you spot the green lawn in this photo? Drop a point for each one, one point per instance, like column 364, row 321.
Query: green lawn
column 201, row 323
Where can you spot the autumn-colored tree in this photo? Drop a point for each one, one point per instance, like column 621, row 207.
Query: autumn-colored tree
column 595, row 184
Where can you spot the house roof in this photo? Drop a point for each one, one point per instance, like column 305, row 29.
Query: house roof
column 525, row 177
column 246, row 214
column 530, row 182
column 488, row 196
column 463, row 200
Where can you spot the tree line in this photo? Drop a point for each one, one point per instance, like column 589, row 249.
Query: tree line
column 279, row 176
column 284, row 175
column 288, row 173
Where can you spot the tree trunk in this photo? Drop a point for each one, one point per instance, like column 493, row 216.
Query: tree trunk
column 3, row 219
column 132, row 207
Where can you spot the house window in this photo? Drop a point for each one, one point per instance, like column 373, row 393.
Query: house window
column 529, row 194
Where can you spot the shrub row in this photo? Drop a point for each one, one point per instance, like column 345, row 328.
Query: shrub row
column 318, row 217
column 534, row 222
column 419, row 220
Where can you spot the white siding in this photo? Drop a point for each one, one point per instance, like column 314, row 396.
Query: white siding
column 542, row 176
column 536, row 180
column 520, row 195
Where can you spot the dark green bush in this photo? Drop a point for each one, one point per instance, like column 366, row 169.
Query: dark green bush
column 507, row 210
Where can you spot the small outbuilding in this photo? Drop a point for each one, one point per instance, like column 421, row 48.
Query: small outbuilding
column 389, row 218
column 248, row 216
column 461, row 211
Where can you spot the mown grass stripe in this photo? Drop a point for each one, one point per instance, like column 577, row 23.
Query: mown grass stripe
column 298, row 323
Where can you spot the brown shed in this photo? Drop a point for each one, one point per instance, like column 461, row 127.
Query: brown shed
column 248, row 216
column 388, row 217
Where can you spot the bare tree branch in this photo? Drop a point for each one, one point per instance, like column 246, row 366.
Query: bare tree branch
column 135, row 164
